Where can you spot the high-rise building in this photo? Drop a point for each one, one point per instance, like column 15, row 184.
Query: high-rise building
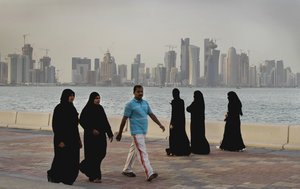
column 252, row 76
column 97, row 69
column 232, row 68
column 170, row 62
column 223, row 70
column 141, row 73
column 184, row 61
column 108, row 69
column 80, row 70
column 3, row 72
column 174, row 76
column 96, row 64
column 244, row 69
column 18, row 69
column 211, row 63
column 270, row 73
column 122, row 72
column 194, row 65
column 279, row 74
column 135, row 69
column 28, row 50
column 50, row 74
column 290, row 77
column 298, row 79
column 160, row 75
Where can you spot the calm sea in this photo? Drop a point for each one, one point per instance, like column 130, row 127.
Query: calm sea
column 267, row 105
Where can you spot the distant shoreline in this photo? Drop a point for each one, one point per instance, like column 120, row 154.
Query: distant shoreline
column 73, row 85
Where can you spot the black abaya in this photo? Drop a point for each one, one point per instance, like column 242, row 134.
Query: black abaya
column 232, row 138
column 94, row 117
column 178, row 140
column 65, row 165
column 199, row 143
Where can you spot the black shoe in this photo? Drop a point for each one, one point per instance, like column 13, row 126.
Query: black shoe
column 153, row 176
column 129, row 174
column 169, row 153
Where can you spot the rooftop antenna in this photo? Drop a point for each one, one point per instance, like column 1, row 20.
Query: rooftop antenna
column 24, row 37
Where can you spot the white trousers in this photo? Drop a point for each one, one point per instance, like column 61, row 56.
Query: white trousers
column 138, row 147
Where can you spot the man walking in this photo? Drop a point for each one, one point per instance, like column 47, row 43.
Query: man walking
column 137, row 110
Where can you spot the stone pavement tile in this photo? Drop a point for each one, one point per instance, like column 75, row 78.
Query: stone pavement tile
column 287, row 184
column 28, row 154
column 252, row 185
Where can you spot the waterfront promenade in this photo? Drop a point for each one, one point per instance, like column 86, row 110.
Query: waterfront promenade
column 26, row 155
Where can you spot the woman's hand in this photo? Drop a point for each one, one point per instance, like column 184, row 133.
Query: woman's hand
column 61, row 145
column 95, row 132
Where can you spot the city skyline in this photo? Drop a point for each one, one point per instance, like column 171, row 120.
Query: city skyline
column 267, row 28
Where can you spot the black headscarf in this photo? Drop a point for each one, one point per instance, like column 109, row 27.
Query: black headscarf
column 92, row 97
column 198, row 96
column 234, row 102
column 65, row 95
column 176, row 93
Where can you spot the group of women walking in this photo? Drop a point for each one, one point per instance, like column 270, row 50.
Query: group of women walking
column 179, row 144
column 67, row 143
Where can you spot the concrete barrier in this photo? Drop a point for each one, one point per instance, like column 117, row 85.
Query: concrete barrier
column 214, row 131
column 7, row 117
column 294, row 138
column 255, row 135
column 262, row 135
column 31, row 120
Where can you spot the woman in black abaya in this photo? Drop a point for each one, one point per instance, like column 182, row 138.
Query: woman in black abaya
column 67, row 143
column 179, row 143
column 199, row 143
column 232, row 138
column 96, row 126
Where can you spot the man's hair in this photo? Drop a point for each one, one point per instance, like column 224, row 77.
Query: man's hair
column 137, row 87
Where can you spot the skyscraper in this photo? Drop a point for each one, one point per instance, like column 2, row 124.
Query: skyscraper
column 27, row 50
column 223, row 70
column 170, row 62
column 232, row 68
column 252, row 76
column 298, row 79
column 47, row 71
column 122, row 72
column 3, row 72
column 194, row 65
column 135, row 69
column 184, row 61
column 174, row 76
column 160, row 75
column 211, row 63
column 279, row 74
column 18, row 69
column 108, row 69
column 80, row 70
column 244, row 69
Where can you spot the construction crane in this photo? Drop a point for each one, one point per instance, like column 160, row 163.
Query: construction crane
column 24, row 36
column 171, row 47
column 46, row 50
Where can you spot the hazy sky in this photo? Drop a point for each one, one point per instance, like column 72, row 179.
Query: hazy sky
column 270, row 29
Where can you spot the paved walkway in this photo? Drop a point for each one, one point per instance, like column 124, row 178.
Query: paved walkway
column 25, row 156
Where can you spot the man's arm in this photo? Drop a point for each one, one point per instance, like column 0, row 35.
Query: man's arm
column 122, row 125
column 154, row 118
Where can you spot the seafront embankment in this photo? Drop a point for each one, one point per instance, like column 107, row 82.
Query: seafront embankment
column 254, row 135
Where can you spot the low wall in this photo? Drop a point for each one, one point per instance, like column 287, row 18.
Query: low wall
column 255, row 135
column 7, row 117
column 294, row 138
